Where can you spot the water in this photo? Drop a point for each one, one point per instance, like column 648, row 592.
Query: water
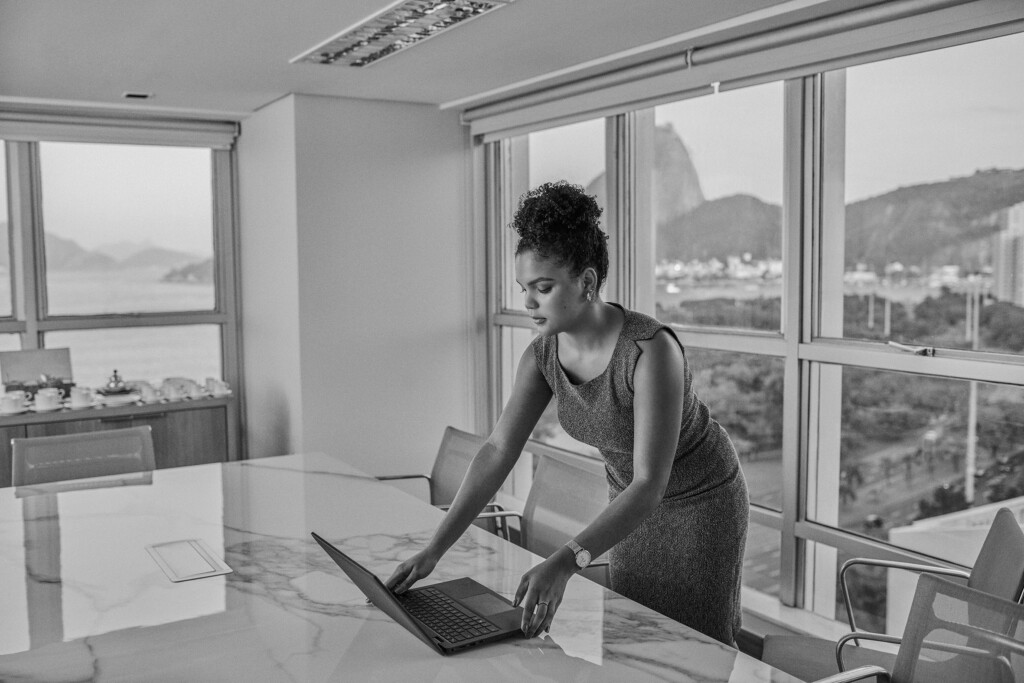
column 142, row 353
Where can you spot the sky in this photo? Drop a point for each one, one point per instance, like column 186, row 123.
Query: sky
column 96, row 194
column 910, row 120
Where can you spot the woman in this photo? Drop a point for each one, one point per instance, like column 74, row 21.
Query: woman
column 676, row 521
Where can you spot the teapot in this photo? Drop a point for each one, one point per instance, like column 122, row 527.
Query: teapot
column 115, row 384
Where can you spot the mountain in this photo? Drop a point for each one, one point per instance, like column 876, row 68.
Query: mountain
column 65, row 254
column 932, row 224
column 723, row 227
column 158, row 256
column 676, row 185
column 119, row 251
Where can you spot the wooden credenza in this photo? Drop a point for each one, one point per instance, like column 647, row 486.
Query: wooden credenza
column 189, row 432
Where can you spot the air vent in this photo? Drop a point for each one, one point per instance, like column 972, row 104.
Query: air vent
column 396, row 28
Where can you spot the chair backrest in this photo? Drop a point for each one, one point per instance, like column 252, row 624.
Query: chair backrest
column 458, row 448
column 999, row 569
column 567, row 493
column 44, row 459
column 955, row 634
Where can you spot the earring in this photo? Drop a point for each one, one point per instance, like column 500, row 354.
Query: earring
column 590, row 295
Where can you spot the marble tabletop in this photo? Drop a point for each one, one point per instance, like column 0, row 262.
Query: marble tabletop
column 83, row 600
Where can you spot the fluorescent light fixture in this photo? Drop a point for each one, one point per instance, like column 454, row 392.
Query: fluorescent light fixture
column 396, row 27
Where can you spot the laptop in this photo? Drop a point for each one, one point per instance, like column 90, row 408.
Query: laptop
column 448, row 616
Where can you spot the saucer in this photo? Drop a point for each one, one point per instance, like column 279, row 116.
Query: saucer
column 220, row 394
column 23, row 409
column 119, row 399
column 50, row 409
column 74, row 406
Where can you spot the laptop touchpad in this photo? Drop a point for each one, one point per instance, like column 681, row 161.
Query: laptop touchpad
column 486, row 604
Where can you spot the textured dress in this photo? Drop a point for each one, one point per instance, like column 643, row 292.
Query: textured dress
column 683, row 561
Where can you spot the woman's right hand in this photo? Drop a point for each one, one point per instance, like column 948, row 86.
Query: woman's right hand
column 412, row 570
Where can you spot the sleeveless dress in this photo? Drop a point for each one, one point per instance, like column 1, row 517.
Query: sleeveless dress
column 683, row 561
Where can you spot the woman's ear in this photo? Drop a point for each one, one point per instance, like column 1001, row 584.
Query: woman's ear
column 589, row 280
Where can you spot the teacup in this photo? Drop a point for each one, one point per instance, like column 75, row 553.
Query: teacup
column 217, row 387
column 81, row 397
column 12, row 402
column 48, row 398
column 171, row 391
column 148, row 392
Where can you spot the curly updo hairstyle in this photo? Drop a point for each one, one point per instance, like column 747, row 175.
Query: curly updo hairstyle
column 559, row 221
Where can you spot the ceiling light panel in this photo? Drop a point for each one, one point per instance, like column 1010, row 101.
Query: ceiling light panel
column 396, row 28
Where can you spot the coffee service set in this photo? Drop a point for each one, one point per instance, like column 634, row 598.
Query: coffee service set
column 115, row 392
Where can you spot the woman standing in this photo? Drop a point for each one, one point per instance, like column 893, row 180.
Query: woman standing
column 676, row 523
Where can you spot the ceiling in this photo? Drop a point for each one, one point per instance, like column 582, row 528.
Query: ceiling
column 229, row 58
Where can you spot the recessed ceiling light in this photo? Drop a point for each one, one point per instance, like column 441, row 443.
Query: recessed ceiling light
column 130, row 95
column 395, row 28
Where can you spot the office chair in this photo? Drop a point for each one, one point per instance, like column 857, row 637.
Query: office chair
column 998, row 571
column 954, row 634
column 46, row 459
column 568, row 492
column 458, row 448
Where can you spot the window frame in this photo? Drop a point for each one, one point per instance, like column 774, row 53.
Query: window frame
column 812, row 202
column 29, row 319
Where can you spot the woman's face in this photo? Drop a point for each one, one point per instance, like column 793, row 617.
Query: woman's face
column 553, row 297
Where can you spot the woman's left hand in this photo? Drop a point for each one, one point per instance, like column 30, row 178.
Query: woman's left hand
column 540, row 593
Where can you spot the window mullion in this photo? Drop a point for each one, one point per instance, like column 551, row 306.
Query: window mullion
column 25, row 202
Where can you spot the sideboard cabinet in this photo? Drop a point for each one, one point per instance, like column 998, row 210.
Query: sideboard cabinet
column 189, row 432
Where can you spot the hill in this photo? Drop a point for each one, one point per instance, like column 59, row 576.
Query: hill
column 723, row 227
column 676, row 184
column 65, row 254
column 158, row 256
column 931, row 224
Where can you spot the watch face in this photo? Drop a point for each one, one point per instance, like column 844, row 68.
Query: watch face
column 583, row 559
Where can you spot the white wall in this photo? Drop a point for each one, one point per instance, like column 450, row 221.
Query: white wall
column 382, row 323
column 269, row 266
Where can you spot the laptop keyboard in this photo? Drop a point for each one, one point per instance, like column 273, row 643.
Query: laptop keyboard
column 444, row 616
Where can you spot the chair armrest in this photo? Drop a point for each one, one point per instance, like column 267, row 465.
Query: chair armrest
column 861, row 635
column 858, row 674
column 503, row 515
column 891, row 564
column 490, row 507
column 393, row 477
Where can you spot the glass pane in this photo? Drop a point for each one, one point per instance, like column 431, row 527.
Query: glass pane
column 575, row 153
column 129, row 228
column 908, row 445
column 761, row 559
column 141, row 353
column 744, row 393
column 10, row 342
column 717, row 196
column 515, row 340
column 934, row 183
column 6, row 307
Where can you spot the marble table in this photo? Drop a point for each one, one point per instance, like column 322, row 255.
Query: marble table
column 82, row 600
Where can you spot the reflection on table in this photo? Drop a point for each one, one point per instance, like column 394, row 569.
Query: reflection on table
column 83, row 599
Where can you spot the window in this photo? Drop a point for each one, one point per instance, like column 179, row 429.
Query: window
column 575, row 153
column 123, row 252
column 934, row 191
column 918, row 252
column 717, row 209
column 842, row 255
column 129, row 228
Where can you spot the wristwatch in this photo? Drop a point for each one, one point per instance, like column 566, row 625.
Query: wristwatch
column 582, row 554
